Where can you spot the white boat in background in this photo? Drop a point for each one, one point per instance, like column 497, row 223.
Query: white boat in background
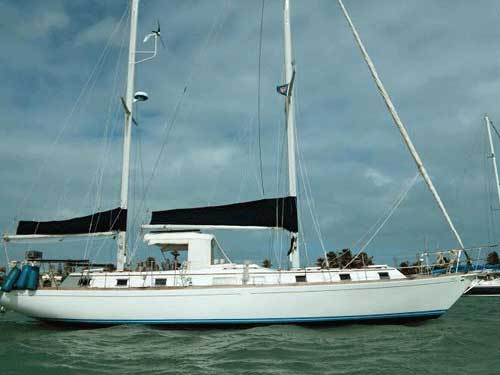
column 209, row 289
column 488, row 283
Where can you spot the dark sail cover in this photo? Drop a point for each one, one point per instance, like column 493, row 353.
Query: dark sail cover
column 272, row 213
column 105, row 221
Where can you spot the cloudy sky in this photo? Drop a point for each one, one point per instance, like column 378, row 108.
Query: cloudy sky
column 62, row 70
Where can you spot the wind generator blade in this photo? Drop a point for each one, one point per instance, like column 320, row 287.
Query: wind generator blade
column 162, row 42
column 158, row 34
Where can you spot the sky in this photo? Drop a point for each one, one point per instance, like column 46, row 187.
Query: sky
column 62, row 69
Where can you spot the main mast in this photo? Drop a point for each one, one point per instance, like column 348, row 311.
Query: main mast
column 121, row 256
column 492, row 154
column 294, row 256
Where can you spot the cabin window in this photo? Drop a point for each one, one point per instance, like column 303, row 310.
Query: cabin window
column 300, row 278
column 121, row 282
column 345, row 276
column 160, row 282
column 384, row 275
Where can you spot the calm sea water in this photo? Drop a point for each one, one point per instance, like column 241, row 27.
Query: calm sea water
column 465, row 341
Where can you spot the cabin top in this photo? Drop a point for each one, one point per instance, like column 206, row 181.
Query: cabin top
column 200, row 247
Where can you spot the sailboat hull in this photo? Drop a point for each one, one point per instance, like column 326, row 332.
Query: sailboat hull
column 485, row 288
column 324, row 303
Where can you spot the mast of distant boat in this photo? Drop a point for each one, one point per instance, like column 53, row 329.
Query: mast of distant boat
column 121, row 256
column 492, row 154
column 294, row 255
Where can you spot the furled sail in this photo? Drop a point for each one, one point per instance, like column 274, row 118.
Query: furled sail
column 267, row 213
column 105, row 221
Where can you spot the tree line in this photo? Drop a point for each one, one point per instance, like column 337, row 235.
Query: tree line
column 345, row 259
column 340, row 259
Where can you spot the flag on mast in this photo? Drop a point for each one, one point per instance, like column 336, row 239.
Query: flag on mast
column 286, row 89
column 283, row 89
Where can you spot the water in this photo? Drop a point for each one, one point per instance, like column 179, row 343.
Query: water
column 466, row 341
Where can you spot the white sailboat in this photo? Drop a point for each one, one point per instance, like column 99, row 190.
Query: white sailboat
column 489, row 282
column 210, row 290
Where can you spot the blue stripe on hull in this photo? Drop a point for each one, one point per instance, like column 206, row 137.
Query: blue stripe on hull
column 325, row 319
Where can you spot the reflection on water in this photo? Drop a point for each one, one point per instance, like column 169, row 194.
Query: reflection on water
column 466, row 340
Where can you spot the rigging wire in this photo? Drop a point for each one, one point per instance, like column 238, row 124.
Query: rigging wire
column 495, row 129
column 280, row 177
column 84, row 103
column 306, row 182
column 399, row 124
column 273, row 249
column 245, row 137
column 310, row 200
column 133, row 204
column 304, row 177
column 259, row 96
column 82, row 100
column 385, row 218
column 75, row 106
column 302, row 238
column 138, row 183
column 474, row 160
column 244, row 171
column 170, row 124
column 110, row 125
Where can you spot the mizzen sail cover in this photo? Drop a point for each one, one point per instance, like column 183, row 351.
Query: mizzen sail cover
column 271, row 213
column 105, row 221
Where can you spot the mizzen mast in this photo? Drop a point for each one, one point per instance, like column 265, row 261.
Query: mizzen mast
column 121, row 256
column 401, row 127
column 294, row 255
